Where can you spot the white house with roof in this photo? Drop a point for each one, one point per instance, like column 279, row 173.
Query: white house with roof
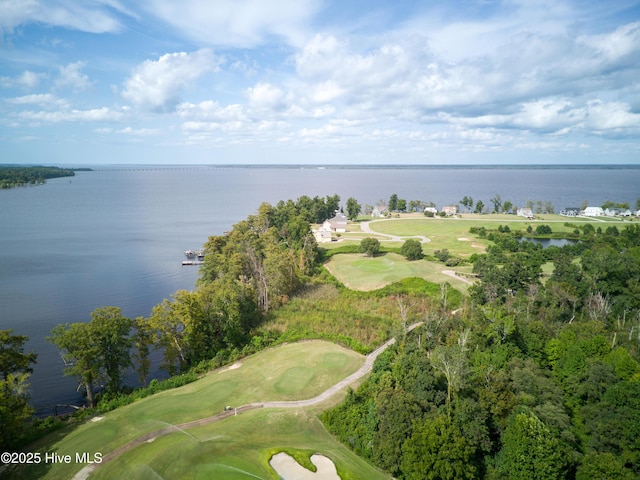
column 593, row 212
column 450, row 210
column 525, row 212
column 433, row 210
column 570, row 212
column 336, row 224
column 322, row 235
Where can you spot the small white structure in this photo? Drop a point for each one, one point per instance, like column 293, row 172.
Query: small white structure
column 625, row 213
column 322, row 235
column 432, row 210
column 379, row 211
column 570, row 212
column 450, row 210
column 593, row 212
column 336, row 224
column 526, row 213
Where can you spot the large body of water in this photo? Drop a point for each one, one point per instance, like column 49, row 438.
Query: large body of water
column 116, row 236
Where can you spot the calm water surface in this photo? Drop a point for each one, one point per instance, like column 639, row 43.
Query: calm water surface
column 116, row 236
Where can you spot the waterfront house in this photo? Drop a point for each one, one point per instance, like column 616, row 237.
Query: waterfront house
column 570, row 212
column 336, row 224
column 322, row 235
column 593, row 212
column 431, row 210
column 450, row 210
column 526, row 212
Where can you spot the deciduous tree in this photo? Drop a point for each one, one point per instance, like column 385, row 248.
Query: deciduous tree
column 370, row 246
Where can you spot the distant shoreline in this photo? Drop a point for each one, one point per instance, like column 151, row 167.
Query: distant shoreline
column 126, row 166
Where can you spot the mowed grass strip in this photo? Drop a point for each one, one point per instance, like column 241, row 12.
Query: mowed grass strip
column 238, row 448
column 359, row 272
column 289, row 372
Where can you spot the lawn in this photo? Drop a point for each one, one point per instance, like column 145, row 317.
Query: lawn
column 453, row 233
column 238, row 448
column 288, row 372
column 359, row 272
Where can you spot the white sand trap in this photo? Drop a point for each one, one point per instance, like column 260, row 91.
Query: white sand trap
column 463, row 239
column 289, row 469
column 231, row 367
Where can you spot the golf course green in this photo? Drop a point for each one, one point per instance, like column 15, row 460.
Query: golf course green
column 235, row 447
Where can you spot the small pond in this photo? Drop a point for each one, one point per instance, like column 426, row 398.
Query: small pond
column 548, row 242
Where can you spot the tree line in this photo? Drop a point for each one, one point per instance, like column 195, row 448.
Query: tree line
column 19, row 176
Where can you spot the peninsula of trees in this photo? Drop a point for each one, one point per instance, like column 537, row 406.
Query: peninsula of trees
column 11, row 176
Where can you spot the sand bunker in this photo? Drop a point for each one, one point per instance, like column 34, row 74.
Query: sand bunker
column 289, row 469
column 463, row 239
column 230, row 367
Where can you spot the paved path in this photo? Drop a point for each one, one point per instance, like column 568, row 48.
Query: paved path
column 366, row 228
column 151, row 436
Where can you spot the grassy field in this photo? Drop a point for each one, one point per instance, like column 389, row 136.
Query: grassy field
column 359, row 272
column 289, row 372
column 238, row 448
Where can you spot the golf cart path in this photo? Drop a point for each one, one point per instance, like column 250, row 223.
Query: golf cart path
column 366, row 228
column 366, row 367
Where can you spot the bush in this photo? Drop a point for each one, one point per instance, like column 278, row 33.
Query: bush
column 370, row 246
column 543, row 230
column 412, row 249
column 441, row 255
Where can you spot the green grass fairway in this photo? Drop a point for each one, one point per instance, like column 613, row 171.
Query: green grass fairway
column 453, row 233
column 289, row 372
column 359, row 272
column 238, row 448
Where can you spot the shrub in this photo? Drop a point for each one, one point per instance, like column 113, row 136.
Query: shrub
column 412, row 249
column 370, row 246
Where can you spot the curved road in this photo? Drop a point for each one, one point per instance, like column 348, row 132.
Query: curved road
column 151, row 436
column 366, row 228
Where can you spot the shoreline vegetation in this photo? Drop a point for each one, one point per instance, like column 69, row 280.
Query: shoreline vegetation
column 528, row 362
column 19, row 176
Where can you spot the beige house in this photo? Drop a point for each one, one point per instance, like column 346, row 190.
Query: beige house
column 450, row 210
column 336, row 224
column 322, row 235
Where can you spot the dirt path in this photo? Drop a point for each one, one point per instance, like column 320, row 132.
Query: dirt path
column 453, row 274
column 331, row 391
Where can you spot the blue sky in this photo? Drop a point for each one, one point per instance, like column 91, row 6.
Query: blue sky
column 319, row 81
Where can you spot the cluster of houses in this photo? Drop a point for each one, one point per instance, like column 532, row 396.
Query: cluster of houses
column 338, row 224
column 598, row 212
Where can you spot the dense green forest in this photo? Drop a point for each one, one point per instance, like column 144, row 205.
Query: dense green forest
column 529, row 379
column 19, row 176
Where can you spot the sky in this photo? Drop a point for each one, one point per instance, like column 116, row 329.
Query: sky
column 319, row 82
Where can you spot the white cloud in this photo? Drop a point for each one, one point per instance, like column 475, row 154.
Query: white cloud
column 612, row 116
column 27, row 80
column 42, row 99
column 156, row 85
column 96, row 16
column 103, row 114
column 240, row 23
column 71, row 77
column 129, row 131
column 266, row 96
